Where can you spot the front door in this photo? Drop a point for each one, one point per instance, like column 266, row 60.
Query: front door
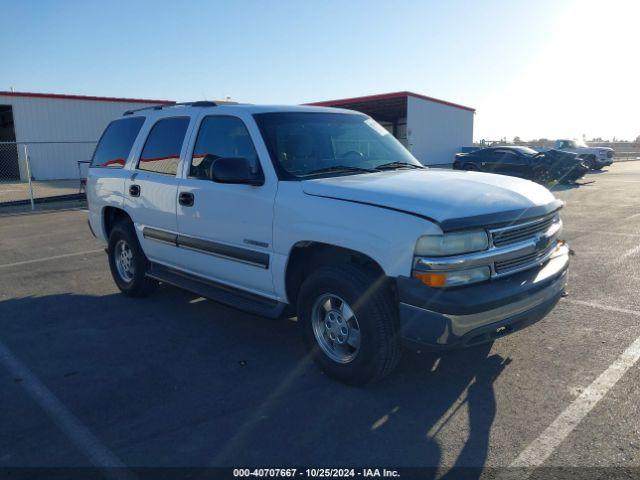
column 492, row 161
column 514, row 164
column 225, row 230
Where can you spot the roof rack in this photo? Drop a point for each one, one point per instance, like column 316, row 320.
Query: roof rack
column 200, row 103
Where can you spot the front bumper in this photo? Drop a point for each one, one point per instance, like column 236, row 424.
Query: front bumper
column 464, row 316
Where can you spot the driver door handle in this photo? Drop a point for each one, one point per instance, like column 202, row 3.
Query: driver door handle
column 134, row 190
column 186, row 199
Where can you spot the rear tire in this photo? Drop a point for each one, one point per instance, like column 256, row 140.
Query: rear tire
column 349, row 323
column 127, row 261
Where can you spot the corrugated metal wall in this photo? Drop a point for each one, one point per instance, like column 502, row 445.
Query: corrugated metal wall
column 436, row 132
column 61, row 120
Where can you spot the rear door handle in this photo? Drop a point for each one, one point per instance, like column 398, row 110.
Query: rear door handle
column 134, row 190
column 186, row 199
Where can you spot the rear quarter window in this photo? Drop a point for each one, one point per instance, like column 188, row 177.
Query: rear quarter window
column 115, row 144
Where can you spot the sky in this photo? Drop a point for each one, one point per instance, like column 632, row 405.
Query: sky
column 543, row 69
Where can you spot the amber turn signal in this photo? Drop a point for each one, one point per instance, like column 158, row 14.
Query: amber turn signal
column 432, row 279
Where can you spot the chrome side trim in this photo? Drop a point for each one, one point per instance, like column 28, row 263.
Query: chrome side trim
column 221, row 250
column 162, row 236
column 226, row 257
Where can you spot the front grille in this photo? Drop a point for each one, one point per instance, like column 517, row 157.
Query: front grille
column 529, row 260
column 609, row 154
column 519, row 233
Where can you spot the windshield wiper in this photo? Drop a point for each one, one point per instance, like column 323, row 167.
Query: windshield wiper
column 341, row 168
column 391, row 165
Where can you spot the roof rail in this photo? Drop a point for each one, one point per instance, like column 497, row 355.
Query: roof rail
column 200, row 103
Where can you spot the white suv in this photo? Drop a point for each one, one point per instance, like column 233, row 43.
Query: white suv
column 320, row 213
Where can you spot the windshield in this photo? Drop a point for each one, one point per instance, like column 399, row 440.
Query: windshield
column 573, row 144
column 308, row 143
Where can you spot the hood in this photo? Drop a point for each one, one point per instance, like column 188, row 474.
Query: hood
column 454, row 199
column 552, row 156
column 595, row 149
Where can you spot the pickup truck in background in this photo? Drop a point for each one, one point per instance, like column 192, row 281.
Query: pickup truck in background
column 595, row 158
column 321, row 214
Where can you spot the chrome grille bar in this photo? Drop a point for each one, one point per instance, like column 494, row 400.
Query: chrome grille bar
column 516, row 233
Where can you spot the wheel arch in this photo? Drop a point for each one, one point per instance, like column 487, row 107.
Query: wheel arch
column 305, row 256
column 470, row 165
column 111, row 216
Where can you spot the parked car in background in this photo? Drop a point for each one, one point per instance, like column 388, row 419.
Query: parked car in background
column 594, row 157
column 524, row 162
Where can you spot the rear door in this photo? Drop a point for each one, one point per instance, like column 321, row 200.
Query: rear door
column 151, row 189
column 106, row 178
column 226, row 228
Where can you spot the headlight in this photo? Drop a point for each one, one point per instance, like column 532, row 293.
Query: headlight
column 452, row 243
column 453, row 278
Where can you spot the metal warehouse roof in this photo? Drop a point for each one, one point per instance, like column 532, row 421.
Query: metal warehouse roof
column 384, row 104
column 82, row 97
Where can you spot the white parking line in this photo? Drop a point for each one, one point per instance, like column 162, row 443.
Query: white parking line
column 543, row 447
column 42, row 212
column 600, row 232
column 629, row 253
column 602, row 307
column 46, row 259
column 79, row 435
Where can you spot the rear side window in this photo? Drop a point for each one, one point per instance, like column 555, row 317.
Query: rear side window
column 221, row 136
column 115, row 144
column 161, row 152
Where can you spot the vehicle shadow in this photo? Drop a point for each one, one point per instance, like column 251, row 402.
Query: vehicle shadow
column 173, row 380
column 563, row 187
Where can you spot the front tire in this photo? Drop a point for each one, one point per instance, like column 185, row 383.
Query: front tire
column 590, row 162
column 128, row 263
column 349, row 323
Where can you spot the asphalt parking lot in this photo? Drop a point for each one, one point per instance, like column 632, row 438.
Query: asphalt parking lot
column 90, row 377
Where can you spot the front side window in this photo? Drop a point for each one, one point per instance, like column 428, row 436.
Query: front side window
column 220, row 137
column 306, row 144
column 161, row 152
column 115, row 144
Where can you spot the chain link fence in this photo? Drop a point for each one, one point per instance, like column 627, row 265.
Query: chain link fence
column 32, row 173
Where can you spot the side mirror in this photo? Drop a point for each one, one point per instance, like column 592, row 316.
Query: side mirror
column 235, row 170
